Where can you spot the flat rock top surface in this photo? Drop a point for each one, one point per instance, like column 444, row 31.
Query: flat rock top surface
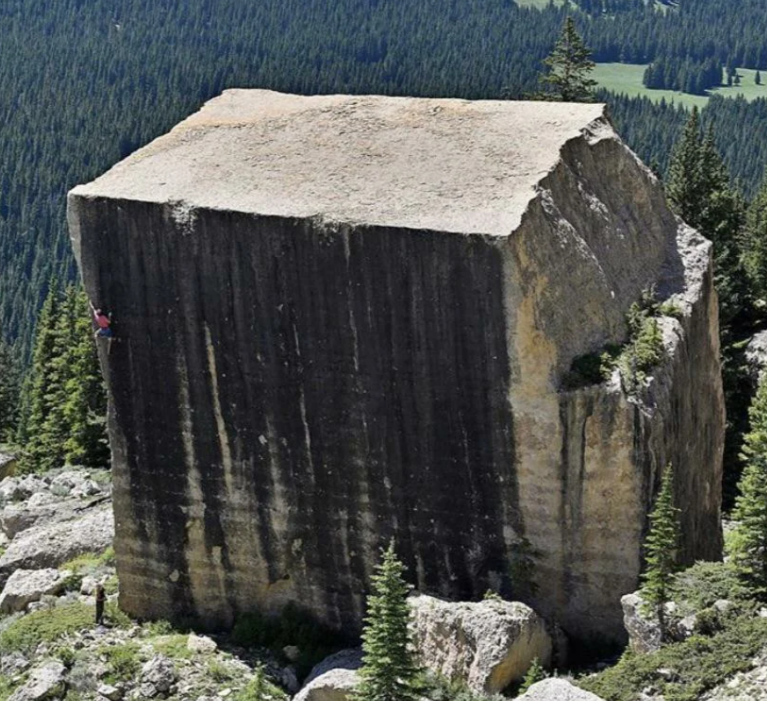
column 440, row 164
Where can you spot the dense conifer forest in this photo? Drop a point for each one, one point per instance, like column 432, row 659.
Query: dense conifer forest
column 85, row 82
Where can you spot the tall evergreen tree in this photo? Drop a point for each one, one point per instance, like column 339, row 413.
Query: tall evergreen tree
column 683, row 180
column 85, row 400
column 569, row 67
column 748, row 544
column 661, row 546
column 10, row 386
column 42, row 374
column 755, row 243
column 388, row 669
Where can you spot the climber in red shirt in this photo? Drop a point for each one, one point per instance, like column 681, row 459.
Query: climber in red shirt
column 103, row 323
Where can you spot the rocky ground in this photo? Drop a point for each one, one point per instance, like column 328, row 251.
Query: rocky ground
column 55, row 546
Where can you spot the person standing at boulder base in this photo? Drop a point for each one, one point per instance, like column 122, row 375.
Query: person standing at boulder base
column 101, row 598
column 103, row 323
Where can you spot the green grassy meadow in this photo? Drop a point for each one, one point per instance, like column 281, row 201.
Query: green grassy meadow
column 627, row 79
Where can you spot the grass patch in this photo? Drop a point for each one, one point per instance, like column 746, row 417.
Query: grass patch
column 683, row 671
column 46, row 626
column 626, row 79
column 124, row 662
column 173, row 646
column 89, row 562
column 219, row 672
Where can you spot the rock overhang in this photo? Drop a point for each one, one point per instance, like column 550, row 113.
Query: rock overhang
column 443, row 165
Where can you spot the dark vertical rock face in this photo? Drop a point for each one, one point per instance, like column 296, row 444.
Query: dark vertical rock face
column 287, row 394
column 319, row 392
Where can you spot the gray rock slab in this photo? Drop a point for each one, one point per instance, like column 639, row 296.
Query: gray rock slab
column 45, row 682
column 557, row 690
column 52, row 545
column 25, row 586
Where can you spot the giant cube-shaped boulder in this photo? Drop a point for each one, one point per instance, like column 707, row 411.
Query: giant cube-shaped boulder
column 344, row 319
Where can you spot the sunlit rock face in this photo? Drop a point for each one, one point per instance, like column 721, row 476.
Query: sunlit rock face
column 344, row 319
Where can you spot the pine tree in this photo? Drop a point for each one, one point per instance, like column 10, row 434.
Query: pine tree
column 10, row 385
column 683, row 180
column 758, row 78
column 569, row 68
column 755, row 243
column 39, row 397
column 84, row 409
column 388, row 670
column 661, row 546
column 748, row 544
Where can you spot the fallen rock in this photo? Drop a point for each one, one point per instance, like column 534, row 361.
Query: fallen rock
column 9, row 490
column 13, row 663
column 52, row 545
column 201, row 643
column 350, row 659
column 40, row 508
column 112, row 693
column 487, row 644
column 756, row 356
column 557, row 690
column 26, row 586
column 335, row 685
column 644, row 628
column 8, row 465
column 159, row 674
column 291, row 652
column 45, row 682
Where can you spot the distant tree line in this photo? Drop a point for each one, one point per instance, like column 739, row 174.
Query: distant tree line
column 686, row 75
column 72, row 108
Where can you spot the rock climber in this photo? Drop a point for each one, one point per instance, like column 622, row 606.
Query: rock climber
column 103, row 323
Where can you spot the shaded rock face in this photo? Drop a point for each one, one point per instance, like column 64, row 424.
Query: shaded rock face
column 288, row 392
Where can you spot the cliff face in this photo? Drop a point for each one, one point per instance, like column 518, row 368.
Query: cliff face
column 342, row 319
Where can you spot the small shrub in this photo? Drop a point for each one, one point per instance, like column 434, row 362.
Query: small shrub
column 124, row 662
column 260, row 689
column 535, row 673
column 161, row 627
column 491, row 595
column 690, row 668
column 67, row 656
column 700, row 586
column 435, row 687
column 670, row 308
column 218, row 671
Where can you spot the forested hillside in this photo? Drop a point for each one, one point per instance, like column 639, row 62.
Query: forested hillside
column 84, row 82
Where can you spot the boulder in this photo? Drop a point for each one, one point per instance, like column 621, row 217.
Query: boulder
column 41, row 508
column 756, row 356
column 557, row 690
column 487, row 644
column 643, row 628
column 157, row 676
column 201, row 643
column 45, row 682
column 8, row 465
column 350, row 659
column 9, row 490
column 51, row 545
column 335, row 685
column 112, row 693
column 25, row 586
column 13, row 663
